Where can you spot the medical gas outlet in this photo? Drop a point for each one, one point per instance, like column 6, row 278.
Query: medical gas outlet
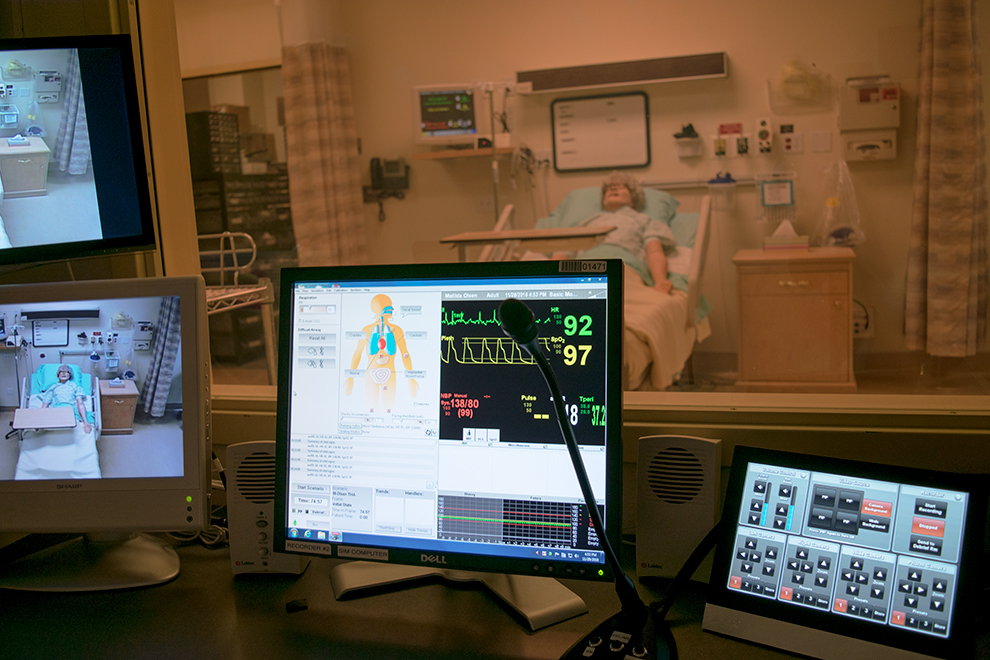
column 764, row 136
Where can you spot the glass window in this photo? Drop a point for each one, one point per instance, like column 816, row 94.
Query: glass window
column 243, row 215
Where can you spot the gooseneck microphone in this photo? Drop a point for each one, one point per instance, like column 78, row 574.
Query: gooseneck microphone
column 634, row 624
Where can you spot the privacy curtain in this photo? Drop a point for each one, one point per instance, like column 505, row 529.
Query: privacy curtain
column 72, row 142
column 324, row 171
column 946, row 301
column 154, row 395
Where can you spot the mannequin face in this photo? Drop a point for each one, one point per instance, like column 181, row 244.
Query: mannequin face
column 616, row 196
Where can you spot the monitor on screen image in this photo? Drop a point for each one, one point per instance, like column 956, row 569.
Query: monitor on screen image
column 104, row 394
column 411, row 430
column 72, row 155
column 835, row 558
column 449, row 115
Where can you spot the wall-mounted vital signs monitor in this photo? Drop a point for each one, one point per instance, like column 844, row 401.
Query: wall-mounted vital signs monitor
column 841, row 559
column 449, row 115
column 411, row 430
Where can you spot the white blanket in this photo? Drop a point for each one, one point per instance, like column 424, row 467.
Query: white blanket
column 656, row 339
column 58, row 453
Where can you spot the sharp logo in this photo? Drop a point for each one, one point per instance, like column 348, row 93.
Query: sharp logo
column 68, row 486
column 433, row 559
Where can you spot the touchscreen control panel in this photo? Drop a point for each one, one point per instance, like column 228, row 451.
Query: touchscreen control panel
column 879, row 551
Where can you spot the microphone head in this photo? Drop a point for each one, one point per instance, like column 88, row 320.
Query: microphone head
column 517, row 321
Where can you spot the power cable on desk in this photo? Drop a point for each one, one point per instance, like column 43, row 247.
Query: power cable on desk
column 213, row 536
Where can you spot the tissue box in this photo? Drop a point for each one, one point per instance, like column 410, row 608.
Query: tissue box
column 785, row 243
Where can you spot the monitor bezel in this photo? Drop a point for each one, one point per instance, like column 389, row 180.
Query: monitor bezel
column 611, row 268
column 146, row 504
column 107, row 129
column 482, row 120
column 804, row 630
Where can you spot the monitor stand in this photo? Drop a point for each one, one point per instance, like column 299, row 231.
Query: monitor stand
column 49, row 562
column 542, row 601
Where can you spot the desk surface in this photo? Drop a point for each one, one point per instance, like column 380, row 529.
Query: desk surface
column 208, row 613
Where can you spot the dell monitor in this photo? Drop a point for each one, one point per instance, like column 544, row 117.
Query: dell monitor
column 841, row 559
column 104, row 396
column 413, row 433
column 73, row 168
column 449, row 115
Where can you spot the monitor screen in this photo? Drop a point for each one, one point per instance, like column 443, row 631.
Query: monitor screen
column 411, row 429
column 72, row 155
column 838, row 559
column 447, row 114
column 105, row 391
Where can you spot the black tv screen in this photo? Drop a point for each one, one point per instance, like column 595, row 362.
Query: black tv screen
column 72, row 155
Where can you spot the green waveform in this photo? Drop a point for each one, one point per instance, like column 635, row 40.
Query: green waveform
column 459, row 318
column 504, row 521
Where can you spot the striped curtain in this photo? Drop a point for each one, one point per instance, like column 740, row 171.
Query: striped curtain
column 324, row 170
column 165, row 357
column 947, row 290
column 72, row 142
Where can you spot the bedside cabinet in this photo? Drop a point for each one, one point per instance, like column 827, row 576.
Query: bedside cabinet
column 24, row 170
column 118, row 405
column 795, row 320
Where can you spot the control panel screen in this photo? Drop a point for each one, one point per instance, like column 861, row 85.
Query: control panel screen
column 848, row 547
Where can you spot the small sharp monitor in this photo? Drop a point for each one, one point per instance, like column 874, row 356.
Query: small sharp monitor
column 411, row 430
column 104, row 397
column 73, row 169
column 841, row 559
column 449, row 115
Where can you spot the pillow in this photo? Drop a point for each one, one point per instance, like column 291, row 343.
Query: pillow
column 47, row 375
column 582, row 203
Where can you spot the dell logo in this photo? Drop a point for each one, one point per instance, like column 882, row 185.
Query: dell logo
column 433, row 559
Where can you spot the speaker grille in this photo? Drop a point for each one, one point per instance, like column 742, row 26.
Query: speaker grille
column 675, row 475
column 255, row 478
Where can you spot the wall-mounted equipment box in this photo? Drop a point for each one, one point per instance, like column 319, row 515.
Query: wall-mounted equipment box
column 869, row 103
column 869, row 145
column 48, row 80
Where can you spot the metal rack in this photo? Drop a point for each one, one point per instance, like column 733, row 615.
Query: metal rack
column 230, row 259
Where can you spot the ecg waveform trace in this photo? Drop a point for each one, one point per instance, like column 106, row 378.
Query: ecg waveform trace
column 461, row 318
column 506, row 521
column 485, row 350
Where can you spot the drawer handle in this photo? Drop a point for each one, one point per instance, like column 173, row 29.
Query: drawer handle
column 118, row 401
column 793, row 283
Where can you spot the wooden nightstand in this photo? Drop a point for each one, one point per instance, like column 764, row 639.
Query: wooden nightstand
column 795, row 320
column 118, row 405
column 24, row 170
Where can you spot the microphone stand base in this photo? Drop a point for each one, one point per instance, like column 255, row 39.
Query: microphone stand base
column 619, row 637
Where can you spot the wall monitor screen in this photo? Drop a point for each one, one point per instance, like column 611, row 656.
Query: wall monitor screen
column 445, row 114
column 841, row 559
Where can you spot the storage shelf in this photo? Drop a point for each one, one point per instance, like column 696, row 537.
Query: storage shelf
column 460, row 153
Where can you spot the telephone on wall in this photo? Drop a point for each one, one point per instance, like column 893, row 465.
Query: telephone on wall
column 389, row 174
column 389, row 178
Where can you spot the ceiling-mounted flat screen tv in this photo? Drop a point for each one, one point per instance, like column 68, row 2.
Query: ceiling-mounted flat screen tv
column 73, row 172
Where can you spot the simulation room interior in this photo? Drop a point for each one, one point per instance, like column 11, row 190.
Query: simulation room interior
column 448, row 196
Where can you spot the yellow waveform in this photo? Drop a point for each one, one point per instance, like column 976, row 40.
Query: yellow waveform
column 485, row 350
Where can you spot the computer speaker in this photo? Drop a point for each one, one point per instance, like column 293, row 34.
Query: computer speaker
column 677, row 502
column 251, row 511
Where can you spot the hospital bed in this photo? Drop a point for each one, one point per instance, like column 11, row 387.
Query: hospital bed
column 50, row 446
column 660, row 330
